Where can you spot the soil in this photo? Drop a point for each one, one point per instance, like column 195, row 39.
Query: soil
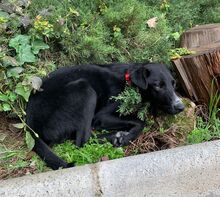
column 12, row 139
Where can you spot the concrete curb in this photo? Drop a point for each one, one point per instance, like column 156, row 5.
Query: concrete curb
column 184, row 171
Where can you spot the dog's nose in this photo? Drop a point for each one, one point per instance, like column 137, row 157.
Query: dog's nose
column 179, row 106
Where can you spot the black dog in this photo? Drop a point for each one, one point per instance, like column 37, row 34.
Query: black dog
column 76, row 99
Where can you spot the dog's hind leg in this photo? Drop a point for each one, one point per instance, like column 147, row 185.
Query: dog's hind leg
column 83, row 98
column 71, row 119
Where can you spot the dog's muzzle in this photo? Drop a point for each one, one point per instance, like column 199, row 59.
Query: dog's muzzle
column 178, row 104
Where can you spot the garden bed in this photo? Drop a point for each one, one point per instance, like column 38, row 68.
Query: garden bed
column 167, row 132
column 37, row 37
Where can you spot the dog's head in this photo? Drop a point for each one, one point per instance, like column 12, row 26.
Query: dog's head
column 157, row 86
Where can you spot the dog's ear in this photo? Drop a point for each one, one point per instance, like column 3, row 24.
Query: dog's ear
column 139, row 77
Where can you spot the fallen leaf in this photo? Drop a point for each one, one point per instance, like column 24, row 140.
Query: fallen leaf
column 104, row 158
column 36, row 83
column 152, row 22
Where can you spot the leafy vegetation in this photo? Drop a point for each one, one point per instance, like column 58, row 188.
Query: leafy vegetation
column 91, row 152
column 36, row 37
column 209, row 129
column 130, row 103
column 178, row 52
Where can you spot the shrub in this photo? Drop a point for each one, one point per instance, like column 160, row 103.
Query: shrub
column 37, row 36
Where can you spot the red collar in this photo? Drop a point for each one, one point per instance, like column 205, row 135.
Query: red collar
column 128, row 77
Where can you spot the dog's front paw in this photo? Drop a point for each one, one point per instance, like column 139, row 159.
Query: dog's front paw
column 120, row 138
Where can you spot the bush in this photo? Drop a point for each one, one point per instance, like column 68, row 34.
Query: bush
column 79, row 32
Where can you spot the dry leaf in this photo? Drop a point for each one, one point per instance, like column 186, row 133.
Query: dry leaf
column 152, row 22
column 104, row 158
column 36, row 83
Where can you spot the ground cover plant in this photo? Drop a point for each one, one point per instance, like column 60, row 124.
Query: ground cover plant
column 36, row 37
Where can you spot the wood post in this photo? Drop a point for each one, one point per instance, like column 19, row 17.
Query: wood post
column 196, row 72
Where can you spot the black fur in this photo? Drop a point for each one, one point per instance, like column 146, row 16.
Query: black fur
column 76, row 99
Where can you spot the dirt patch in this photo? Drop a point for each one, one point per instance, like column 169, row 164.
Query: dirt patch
column 10, row 136
column 14, row 157
column 155, row 140
column 167, row 132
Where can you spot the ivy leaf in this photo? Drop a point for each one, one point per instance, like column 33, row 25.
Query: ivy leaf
column 4, row 15
column 6, row 107
column 23, row 91
column 18, row 41
column 14, row 72
column 25, row 55
column 12, row 96
column 29, row 141
column 37, row 45
column 18, row 125
column 3, row 97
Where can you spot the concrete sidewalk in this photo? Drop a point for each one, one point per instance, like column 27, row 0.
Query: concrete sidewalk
column 185, row 171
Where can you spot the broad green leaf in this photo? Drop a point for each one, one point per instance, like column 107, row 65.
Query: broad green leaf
column 3, row 97
column 29, row 141
column 176, row 35
column 6, row 107
column 20, row 40
column 9, row 61
column 12, row 96
column 4, row 14
column 23, row 91
column 18, row 125
column 37, row 45
column 14, row 72
column 25, row 54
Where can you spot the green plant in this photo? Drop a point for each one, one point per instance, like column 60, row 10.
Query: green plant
column 17, row 156
column 42, row 26
column 201, row 133
column 91, row 152
column 207, row 130
column 129, row 100
column 38, row 163
column 214, row 102
column 179, row 52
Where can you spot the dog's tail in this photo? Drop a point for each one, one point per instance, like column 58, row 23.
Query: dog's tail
column 46, row 154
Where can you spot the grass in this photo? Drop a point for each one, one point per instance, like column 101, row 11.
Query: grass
column 207, row 128
column 91, row 152
column 13, row 159
column 19, row 162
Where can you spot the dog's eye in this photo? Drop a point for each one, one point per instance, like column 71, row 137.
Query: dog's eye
column 162, row 84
